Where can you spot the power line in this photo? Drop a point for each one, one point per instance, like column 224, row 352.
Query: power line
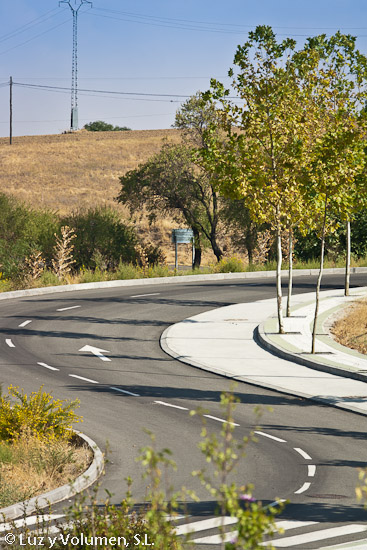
column 34, row 37
column 33, row 23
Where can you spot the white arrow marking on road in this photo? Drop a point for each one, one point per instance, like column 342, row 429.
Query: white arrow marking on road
column 96, row 351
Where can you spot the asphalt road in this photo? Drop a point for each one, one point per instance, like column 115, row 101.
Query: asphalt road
column 120, row 397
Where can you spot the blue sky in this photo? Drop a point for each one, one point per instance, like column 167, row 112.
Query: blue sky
column 164, row 47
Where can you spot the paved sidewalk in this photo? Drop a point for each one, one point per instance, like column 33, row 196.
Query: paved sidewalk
column 227, row 341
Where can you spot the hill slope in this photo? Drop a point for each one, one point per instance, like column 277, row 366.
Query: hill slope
column 70, row 171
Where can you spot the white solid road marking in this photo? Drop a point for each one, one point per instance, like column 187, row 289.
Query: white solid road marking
column 311, row 470
column 96, row 352
column 204, row 524
column 302, row 453
column 66, row 308
column 318, row 535
column 220, row 420
column 10, row 343
column 25, row 323
column 286, row 525
column 356, row 545
column 217, row 539
column 170, row 405
column 124, row 391
column 142, row 295
column 47, row 366
column 271, row 437
column 32, row 520
column 85, row 379
column 304, row 488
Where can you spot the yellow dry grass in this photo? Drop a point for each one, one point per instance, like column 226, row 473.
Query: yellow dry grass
column 351, row 329
column 66, row 172
column 37, row 467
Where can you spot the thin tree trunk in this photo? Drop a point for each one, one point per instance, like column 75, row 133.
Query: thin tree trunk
column 279, row 280
column 319, row 277
column 198, row 250
column 347, row 262
column 290, row 272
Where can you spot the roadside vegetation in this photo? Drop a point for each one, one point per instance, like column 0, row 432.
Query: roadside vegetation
column 38, row 450
column 152, row 522
column 350, row 329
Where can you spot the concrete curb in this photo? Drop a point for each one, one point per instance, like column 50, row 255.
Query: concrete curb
column 61, row 493
column 262, row 340
column 273, row 387
column 169, row 280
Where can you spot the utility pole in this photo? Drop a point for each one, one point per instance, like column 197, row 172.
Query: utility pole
column 11, row 110
column 74, row 67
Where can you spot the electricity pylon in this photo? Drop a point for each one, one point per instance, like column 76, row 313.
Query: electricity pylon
column 74, row 66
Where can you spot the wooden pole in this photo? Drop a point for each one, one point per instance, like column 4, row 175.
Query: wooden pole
column 11, row 111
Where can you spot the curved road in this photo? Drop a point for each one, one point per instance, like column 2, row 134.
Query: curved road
column 132, row 384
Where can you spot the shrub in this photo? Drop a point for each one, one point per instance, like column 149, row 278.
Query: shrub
column 230, row 265
column 39, row 414
column 22, row 232
column 102, row 239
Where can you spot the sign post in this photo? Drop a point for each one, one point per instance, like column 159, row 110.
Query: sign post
column 183, row 236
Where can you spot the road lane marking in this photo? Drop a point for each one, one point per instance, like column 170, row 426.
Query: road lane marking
column 25, row 323
column 66, row 308
column 47, row 366
column 32, row 520
column 302, row 453
column 125, row 391
column 142, row 295
column 355, row 545
column 85, row 379
column 311, row 470
column 220, row 420
column 293, row 524
column 317, row 535
column 217, row 539
column 170, row 405
column 304, row 488
column 271, row 437
column 204, row 524
column 10, row 343
column 96, row 352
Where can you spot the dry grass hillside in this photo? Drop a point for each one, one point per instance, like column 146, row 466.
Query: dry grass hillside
column 70, row 171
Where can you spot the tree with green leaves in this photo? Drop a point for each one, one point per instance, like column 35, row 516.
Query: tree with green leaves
column 335, row 75
column 268, row 135
column 169, row 183
column 101, row 126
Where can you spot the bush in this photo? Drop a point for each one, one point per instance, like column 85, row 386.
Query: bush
column 102, row 239
column 38, row 414
column 100, row 126
column 23, row 231
column 230, row 265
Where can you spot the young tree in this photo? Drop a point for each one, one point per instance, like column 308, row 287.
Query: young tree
column 170, row 183
column 268, row 134
column 334, row 80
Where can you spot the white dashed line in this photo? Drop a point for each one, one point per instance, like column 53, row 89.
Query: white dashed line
column 10, row 343
column 85, row 379
column 66, row 308
column 311, row 470
column 47, row 366
column 142, row 295
column 271, row 437
column 125, row 391
column 170, row 405
column 220, row 420
column 302, row 453
column 25, row 323
column 304, row 488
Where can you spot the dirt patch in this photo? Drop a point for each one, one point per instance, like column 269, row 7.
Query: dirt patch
column 351, row 329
